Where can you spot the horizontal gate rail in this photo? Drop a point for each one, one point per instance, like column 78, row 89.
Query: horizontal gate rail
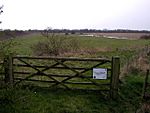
column 81, row 83
column 55, row 75
column 61, row 58
column 38, row 66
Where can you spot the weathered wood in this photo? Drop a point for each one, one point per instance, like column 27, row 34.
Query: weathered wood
column 54, row 67
column 79, row 83
column 42, row 72
column 115, row 77
column 57, row 75
column 8, row 67
column 62, row 58
column 145, row 85
column 53, row 75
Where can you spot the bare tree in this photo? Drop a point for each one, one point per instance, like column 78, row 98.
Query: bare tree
column 1, row 11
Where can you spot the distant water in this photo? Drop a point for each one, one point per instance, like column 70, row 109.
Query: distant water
column 113, row 37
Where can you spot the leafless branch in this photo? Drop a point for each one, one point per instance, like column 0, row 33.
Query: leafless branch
column 1, row 7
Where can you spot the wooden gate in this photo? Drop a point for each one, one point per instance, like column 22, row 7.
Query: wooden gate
column 69, row 73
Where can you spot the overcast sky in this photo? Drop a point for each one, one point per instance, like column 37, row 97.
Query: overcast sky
column 75, row 14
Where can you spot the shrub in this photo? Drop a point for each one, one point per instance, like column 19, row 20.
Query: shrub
column 5, row 48
column 145, row 37
column 56, row 45
column 5, row 51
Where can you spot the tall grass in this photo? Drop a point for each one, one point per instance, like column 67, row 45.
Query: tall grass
column 40, row 100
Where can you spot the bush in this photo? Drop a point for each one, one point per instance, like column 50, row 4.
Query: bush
column 145, row 37
column 6, row 48
column 56, row 45
column 134, row 70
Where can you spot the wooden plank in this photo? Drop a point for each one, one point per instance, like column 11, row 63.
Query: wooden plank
column 79, row 83
column 145, row 85
column 53, row 75
column 115, row 77
column 54, row 67
column 92, row 89
column 62, row 58
column 57, row 75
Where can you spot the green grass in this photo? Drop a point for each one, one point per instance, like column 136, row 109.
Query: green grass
column 111, row 43
column 40, row 100
column 24, row 44
column 43, row 100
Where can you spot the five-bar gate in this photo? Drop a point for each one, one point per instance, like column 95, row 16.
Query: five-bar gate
column 69, row 73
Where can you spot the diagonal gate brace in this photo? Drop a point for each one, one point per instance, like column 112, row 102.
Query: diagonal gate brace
column 42, row 72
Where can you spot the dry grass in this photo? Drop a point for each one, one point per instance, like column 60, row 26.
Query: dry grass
column 145, row 108
column 86, row 52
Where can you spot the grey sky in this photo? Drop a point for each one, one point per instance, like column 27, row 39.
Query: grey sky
column 76, row 14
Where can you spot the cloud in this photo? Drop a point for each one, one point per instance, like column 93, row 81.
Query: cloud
column 29, row 14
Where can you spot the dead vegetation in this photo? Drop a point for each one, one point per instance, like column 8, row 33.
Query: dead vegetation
column 56, row 45
column 144, row 108
column 138, row 63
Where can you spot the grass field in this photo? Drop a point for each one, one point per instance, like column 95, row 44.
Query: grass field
column 24, row 44
column 32, row 99
column 39, row 100
column 88, row 46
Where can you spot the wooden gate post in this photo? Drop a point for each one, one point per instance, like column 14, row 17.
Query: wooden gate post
column 8, row 68
column 145, row 84
column 115, row 77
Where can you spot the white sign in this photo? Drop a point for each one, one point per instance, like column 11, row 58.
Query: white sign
column 99, row 73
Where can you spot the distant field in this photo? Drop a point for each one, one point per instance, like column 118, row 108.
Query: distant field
column 96, row 47
column 122, row 35
column 24, row 44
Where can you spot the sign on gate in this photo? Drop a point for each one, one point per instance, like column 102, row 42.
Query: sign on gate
column 99, row 73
